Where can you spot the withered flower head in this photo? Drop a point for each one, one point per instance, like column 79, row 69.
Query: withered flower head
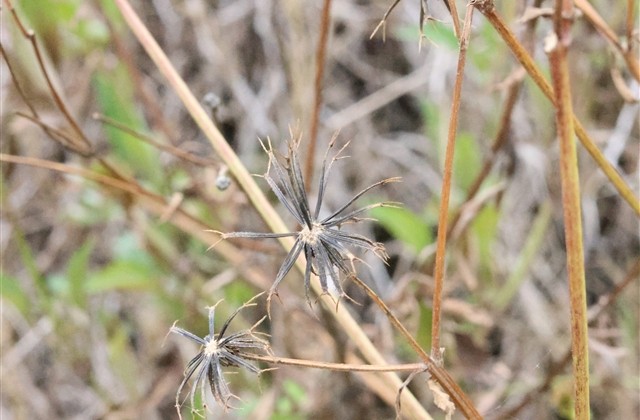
column 218, row 351
column 325, row 246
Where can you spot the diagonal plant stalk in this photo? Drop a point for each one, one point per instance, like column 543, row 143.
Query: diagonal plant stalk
column 79, row 143
column 154, row 204
column 261, row 204
column 438, row 373
column 321, row 54
column 487, row 8
column 337, row 367
column 557, row 47
column 601, row 26
column 443, row 216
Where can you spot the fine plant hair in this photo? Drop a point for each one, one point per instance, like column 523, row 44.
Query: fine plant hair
column 324, row 245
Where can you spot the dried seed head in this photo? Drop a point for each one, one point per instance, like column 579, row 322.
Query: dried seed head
column 218, row 351
column 324, row 244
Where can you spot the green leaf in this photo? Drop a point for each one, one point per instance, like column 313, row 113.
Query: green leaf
column 484, row 227
column 404, row 225
column 436, row 33
column 122, row 359
column 466, row 161
column 423, row 335
column 441, row 34
column 121, row 275
column 12, row 292
column 77, row 272
column 116, row 100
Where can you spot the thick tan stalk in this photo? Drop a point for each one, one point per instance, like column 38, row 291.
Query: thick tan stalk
column 557, row 47
column 441, row 244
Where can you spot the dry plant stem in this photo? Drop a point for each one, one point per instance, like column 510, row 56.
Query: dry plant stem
column 461, row 400
column 82, row 144
column 557, row 47
column 257, row 198
column 53, row 133
column 156, row 205
column 321, row 53
column 630, row 22
column 601, row 26
column 338, row 367
column 607, row 300
column 453, row 9
column 522, row 55
column 196, row 160
column 441, row 243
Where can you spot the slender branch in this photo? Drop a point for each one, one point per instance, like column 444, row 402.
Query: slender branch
column 630, row 22
column 453, row 10
column 460, row 399
column 557, row 46
column 522, row 55
column 607, row 300
column 441, row 243
column 196, row 160
column 339, row 367
column 154, row 204
column 80, row 144
column 601, row 26
column 321, row 53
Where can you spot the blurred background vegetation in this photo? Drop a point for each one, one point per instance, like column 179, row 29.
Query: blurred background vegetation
column 92, row 280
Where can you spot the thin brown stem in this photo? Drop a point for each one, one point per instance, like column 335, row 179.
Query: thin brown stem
column 80, row 143
column 557, row 46
column 156, row 205
column 601, row 26
column 607, row 300
column 453, row 10
column 338, row 367
column 441, row 243
column 196, row 160
column 460, row 399
column 321, row 53
column 630, row 22
column 522, row 55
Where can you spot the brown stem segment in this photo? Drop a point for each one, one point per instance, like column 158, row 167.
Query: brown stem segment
column 438, row 274
column 321, row 54
column 80, row 143
column 557, row 46
column 460, row 399
column 338, row 367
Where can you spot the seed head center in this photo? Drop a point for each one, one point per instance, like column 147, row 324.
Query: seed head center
column 211, row 347
column 310, row 236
